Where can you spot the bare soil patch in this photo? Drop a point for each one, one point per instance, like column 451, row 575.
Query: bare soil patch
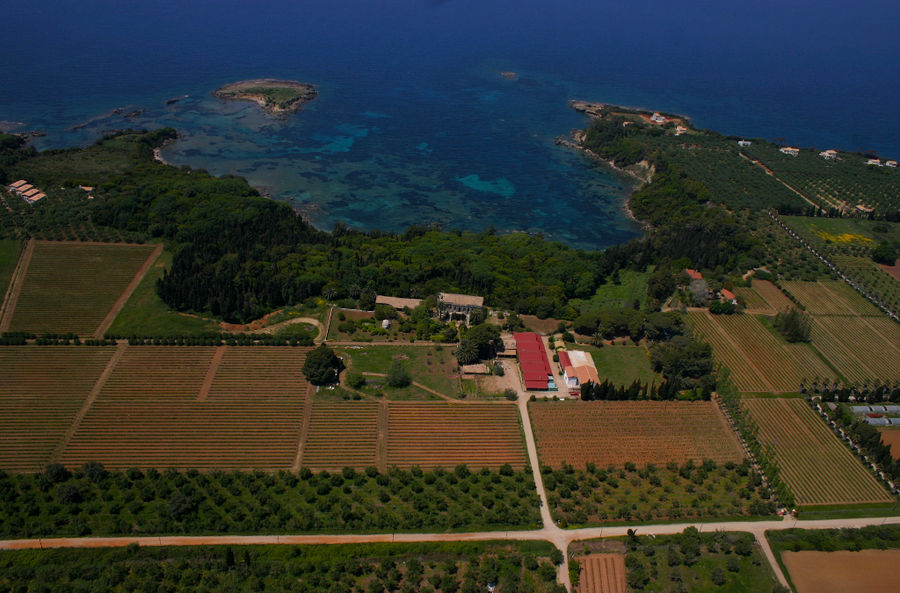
column 891, row 437
column 540, row 326
column 868, row 571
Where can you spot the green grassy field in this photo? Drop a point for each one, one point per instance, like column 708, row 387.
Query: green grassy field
column 9, row 256
column 431, row 366
column 632, row 287
column 146, row 315
column 623, row 364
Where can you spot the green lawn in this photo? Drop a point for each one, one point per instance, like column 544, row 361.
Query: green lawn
column 631, row 286
column 623, row 364
column 146, row 315
column 432, row 366
column 9, row 256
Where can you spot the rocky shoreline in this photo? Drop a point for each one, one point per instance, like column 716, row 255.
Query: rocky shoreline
column 575, row 141
column 275, row 96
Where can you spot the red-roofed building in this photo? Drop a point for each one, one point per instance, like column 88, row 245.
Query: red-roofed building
column 729, row 296
column 533, row 359
column 694, row 274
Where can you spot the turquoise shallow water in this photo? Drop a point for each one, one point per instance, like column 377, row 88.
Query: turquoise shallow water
column 414, row 123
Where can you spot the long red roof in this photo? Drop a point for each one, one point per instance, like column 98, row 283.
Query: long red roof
column 533, row 359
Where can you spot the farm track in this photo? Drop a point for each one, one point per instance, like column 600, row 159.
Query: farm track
column 41, row 391
column 11, row 298
column 147, row 413
column 816, row 465
column 72, row 286
column 126, row 294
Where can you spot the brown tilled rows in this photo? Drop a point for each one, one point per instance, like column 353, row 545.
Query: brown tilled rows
column 615, row 432
column 147, row 414
column 261, row 372
column 437, row 434
column 41, row 390
column 602, row 573
column 341, row 434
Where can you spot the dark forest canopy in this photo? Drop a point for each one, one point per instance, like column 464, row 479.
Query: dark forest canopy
column 238, row 255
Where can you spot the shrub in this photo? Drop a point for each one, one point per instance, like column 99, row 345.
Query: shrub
column 397, row 375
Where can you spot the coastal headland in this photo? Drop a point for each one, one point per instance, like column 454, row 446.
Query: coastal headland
column 275, row 96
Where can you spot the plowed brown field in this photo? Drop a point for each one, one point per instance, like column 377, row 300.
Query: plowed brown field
column 602, row 573
column 866, row 571
column 150, row 412
column 642, row 432
column 432, row 434
column 41, row 391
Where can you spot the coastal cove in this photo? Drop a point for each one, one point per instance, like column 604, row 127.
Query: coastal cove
column 432, row 112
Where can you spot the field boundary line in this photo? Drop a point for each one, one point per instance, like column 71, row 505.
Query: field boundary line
column 840, row 343
column 747, row 359
column 381, row 436
column 304, row 429
column 121, row 347
column 129, row 290
column 8, row 308
column 211, row 373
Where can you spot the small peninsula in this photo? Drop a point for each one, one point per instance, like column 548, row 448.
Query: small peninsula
column 275, row 96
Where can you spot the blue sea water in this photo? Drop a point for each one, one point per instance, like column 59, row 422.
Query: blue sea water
column 414, row 122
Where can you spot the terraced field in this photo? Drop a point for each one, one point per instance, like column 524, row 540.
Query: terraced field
column 151, row 413
column 615, row 432
column 814, row 463
column 71, row 286
column 437, row 434
column 41, row 391
column 342, row 434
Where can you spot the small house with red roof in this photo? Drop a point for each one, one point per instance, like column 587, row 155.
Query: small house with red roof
column 577, row 368
column 694, row 274
column 728, row 296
